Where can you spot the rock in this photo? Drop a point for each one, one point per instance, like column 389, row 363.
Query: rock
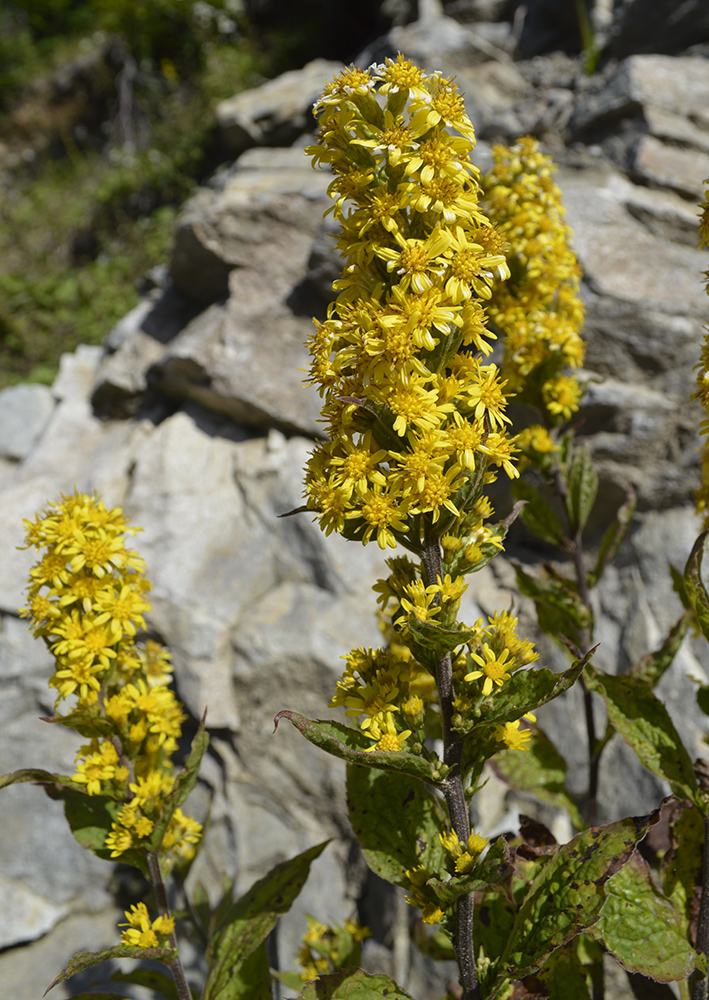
column 24, row 412
column 681, row 170
column 277, row 112
column 656, row 26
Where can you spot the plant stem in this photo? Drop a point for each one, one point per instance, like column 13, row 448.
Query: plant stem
column 178, row 973
column 699, row 981
column 453, row 788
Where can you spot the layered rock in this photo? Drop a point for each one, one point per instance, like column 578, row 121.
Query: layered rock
column 195, row 419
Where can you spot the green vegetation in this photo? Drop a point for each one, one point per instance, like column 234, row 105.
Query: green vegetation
column 92, row 189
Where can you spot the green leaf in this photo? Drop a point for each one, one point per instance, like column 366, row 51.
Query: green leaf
column 348, row 744
column 492, row 872
column 251, row 980
column 249, row 921
column 560, row 611
column 641, row 927
column 90, row 818
column 652, row 666
column 397, row 821
column 539, row 516
column 681, row 867
column 151, row 979
column 87, row 722
column 540, row 770
column 567, row 894
column 645, row 724
column 694, row 587
column 525, row 691
column 353, row 984
column 614, row 535
column 37, row 776
column 563, row 975
column 87, row 959
column 184, row 783
column 456, row 563
column 582, row 487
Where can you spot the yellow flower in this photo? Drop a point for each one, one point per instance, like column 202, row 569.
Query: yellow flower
column 495, row 668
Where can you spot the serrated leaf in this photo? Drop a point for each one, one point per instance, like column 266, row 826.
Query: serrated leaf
column 645, row 724
column 184, row 783
column 250, row 919
column 540, row 770
column 492, row 872
column 582, row 487
column 567, row 894
column 539, row 516
column 353, row 984
column 694, row 587
column 87, row 959
column 349, row 744
column 614, row 535
column 151, row 979
column 397, row 821
column 652, row 666
column 641, row 928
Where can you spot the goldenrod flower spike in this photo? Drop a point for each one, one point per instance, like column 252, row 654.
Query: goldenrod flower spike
column 415, row 421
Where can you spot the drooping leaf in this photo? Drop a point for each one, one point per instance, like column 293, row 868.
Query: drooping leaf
column 87, row 959
column 87, row 722
column 184, row 783
column 539, row 516
column 353, row 984
column 567, row 894
column 642, row 928
column 540, row 770
column 614, row 535
column 645, row 724
column 397, row 821
column 350, row 745
column 651, row 667
column 248, row 922
column 582, row 487
column 37, row 776
column 694, row 586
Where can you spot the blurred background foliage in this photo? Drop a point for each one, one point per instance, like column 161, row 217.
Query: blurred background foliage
column 106, row 125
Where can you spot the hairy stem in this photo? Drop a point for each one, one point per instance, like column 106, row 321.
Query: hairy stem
column 699, row 981
column 453, row 788
column 178, row 973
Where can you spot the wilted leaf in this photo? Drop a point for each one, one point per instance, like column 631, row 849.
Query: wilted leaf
column 567, row 894
column 641, row 928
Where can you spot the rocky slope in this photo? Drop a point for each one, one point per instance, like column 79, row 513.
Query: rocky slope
column 194, row 418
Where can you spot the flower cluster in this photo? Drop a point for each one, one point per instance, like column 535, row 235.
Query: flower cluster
column 702, row 393
column 87, row 601
column 538, row 310
column 416, row 421
column 326, row 948
column 142, row 933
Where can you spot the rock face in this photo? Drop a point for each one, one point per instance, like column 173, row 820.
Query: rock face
column 194, row 418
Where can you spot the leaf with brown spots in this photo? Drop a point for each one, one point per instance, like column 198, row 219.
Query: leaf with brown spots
column 567, row 894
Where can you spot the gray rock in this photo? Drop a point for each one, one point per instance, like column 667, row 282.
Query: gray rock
column 24, row 412
column 681, row 170
column 277, row 112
